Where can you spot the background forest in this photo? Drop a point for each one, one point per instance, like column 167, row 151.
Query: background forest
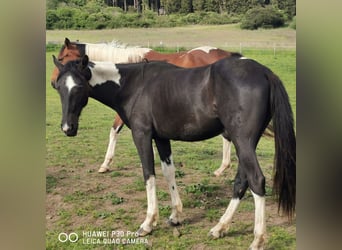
column 109, row 14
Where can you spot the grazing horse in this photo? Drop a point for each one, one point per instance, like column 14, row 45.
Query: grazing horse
column 117, row 53
column 235, row 97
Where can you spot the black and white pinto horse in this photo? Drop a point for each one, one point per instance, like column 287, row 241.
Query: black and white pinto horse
column 236, row 97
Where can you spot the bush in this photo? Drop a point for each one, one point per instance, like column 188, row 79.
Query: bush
column 260, row 17
column 111, row 18
column 214, row 18
column 97, row 21
column 191, row 18
column 51, row 19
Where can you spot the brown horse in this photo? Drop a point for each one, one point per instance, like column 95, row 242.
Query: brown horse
column 120, row 54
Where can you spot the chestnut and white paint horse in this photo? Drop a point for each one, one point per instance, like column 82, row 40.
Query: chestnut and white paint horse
column 235, row 97
column 120, row 53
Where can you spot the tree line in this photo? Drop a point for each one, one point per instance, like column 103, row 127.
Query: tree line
column 99, row 14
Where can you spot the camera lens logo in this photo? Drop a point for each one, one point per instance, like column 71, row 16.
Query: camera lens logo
column 64, row 237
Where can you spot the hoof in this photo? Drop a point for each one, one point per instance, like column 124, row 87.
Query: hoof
column 103, row 170
column 173, row 224
column 215, row 235
column 217, row 173
column 141, row 232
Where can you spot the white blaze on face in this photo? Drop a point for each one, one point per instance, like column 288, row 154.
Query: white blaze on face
column 70, row 83
column 104, row 71
column 243, row 58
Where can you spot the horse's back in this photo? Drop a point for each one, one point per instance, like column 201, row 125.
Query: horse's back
column 180, row 102
column 197, row 103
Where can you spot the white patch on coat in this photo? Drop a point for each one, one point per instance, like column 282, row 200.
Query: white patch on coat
column 205, row 49
column 104, row 71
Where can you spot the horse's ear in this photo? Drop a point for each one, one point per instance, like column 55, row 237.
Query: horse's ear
column 84, row 62
column 57, row 63
column 67, row 42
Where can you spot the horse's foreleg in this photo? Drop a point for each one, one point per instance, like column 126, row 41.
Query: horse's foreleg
column 113, row 137
column 152, row 208
column 225, row 157
column 143, row 141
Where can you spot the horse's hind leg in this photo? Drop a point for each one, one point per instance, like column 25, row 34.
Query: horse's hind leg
column 225, row 157
column 249, row 174
column 113, row 137
column 259, row 223
column 168, row 168
column 240, row 187
column 256, row 182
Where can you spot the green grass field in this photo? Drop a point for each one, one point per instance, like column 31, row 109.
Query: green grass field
column 81, row 200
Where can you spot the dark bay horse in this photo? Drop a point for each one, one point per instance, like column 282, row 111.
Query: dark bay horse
column 235, row 97
column 117, row 53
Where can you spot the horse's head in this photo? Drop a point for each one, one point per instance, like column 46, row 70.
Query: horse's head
column 68, row 52
column 73, row 88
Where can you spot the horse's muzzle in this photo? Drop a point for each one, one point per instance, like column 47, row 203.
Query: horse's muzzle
column 69, row 130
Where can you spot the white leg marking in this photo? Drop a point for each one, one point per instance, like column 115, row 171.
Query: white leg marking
column 113, row 137
column 177, row 206
column 260, row 223
column 152, row 206
column 226, row 148
column 225, row 220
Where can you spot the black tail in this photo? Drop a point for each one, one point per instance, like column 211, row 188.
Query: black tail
column 284, row 185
